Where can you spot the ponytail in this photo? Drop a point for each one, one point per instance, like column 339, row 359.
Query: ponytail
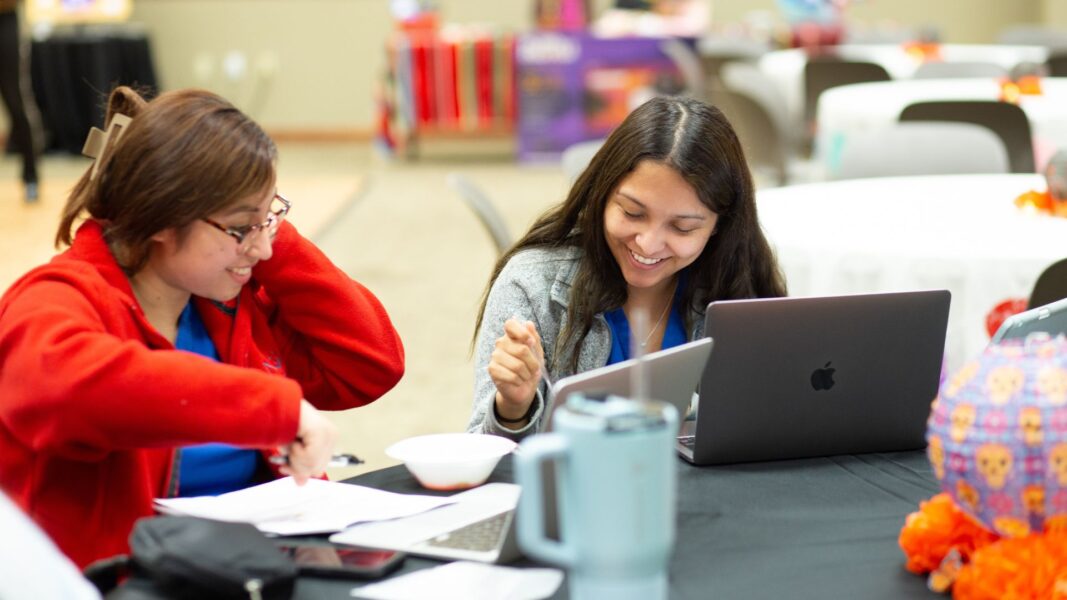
column 85, row 195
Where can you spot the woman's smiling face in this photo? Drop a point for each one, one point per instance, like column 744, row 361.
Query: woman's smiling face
column 203, row 261
column 655, row 225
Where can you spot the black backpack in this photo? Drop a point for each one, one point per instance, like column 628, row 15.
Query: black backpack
column 183, row 558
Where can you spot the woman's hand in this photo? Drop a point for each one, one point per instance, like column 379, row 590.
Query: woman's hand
column 310, row 452
column 515, row 368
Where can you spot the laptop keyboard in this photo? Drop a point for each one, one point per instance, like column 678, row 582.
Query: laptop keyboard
column 687, row 440
column 480, row 536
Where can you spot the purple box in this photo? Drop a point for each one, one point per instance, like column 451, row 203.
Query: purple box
column 573, row 87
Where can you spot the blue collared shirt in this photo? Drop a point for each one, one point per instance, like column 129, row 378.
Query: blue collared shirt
column 209, row 469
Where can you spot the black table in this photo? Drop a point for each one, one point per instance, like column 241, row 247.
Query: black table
column 813, row 528
column 74, row 70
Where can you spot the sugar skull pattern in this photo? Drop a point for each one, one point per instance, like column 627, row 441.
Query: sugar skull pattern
column 997, row 436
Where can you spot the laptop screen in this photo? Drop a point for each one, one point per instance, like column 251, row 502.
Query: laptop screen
column 672, row 376
column 801, row 377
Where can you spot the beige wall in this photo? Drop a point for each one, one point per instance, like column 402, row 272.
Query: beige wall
column 311, row 65
column 1055, row 13
column 960, row 21
column 307, row 64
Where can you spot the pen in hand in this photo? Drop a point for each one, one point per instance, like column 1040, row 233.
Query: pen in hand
column 337, row 460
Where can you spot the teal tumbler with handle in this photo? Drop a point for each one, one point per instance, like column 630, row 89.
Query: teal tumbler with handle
column 615, row 482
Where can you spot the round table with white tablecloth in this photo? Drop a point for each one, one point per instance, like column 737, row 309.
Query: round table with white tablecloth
column 958, row 232
column 786, row 67
column 865, row 107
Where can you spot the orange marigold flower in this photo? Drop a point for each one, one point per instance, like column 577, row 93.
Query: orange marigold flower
column 1026, row 568
column 1033, row 200
column 939, row 526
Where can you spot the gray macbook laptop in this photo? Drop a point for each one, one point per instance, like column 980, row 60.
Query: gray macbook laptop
column 804, row 377
column 673, row 375
column 1050, row 319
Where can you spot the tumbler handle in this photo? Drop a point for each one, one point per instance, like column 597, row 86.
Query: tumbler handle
column 534, row 452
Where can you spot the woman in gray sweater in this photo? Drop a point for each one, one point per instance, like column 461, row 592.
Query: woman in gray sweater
column 663, row 220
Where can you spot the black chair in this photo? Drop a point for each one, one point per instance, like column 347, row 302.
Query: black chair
column 1006, row 120
column 824, row 72
column 1057, row 63
column 1050, row 286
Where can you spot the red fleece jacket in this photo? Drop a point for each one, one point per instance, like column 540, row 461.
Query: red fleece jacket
column 94, row 401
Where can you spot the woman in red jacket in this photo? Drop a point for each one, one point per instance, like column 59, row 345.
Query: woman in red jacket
column 187, row 333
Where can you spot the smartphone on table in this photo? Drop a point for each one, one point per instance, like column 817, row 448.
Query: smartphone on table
column 321, row 560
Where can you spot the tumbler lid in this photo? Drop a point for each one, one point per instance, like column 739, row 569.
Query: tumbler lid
column 616, row 414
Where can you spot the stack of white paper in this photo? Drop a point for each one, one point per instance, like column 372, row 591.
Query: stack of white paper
column 280, row 507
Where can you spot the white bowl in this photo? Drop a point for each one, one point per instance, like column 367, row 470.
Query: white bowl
column 451, row 461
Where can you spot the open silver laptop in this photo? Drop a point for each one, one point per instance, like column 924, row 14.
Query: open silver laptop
column 804, row 377
column 672, row 376
column 479, row 526
column 1050, row 319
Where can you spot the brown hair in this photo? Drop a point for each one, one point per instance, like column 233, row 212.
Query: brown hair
column 697, row 141
column 184, row 155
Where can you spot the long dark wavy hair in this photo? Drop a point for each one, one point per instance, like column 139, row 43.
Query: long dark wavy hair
column 697, row 141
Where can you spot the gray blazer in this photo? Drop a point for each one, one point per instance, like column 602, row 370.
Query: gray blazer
column 535, row 285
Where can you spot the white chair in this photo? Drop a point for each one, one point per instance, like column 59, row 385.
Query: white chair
column 748, row 79
column 478, row 201
column 716, row 54
column 577, row 157
column 1031, row 34
column 858, row 33
column 762, row 139
column 923, row 148
column 688, row 64
column 949, row 70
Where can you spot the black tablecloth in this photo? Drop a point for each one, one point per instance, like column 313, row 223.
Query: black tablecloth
column 815, row 528
column 74, row 71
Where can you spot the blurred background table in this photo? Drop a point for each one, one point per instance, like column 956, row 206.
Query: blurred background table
column 786, row 67
column 73, row 70
column 958, row 232
column 864, row 107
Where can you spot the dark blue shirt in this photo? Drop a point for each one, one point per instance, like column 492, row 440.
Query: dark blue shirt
column 674, row 335
column 209, row 469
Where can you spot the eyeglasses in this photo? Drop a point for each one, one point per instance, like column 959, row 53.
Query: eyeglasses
column 247, row 235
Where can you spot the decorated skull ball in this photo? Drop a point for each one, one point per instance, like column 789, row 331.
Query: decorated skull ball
column 997, row 436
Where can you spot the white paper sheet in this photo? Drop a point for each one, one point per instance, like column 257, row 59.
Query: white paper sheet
column 466, row 581
column 280, row 507
column 401, row 534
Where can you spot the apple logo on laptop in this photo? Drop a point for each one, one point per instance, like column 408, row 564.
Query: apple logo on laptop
column 823, row 379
